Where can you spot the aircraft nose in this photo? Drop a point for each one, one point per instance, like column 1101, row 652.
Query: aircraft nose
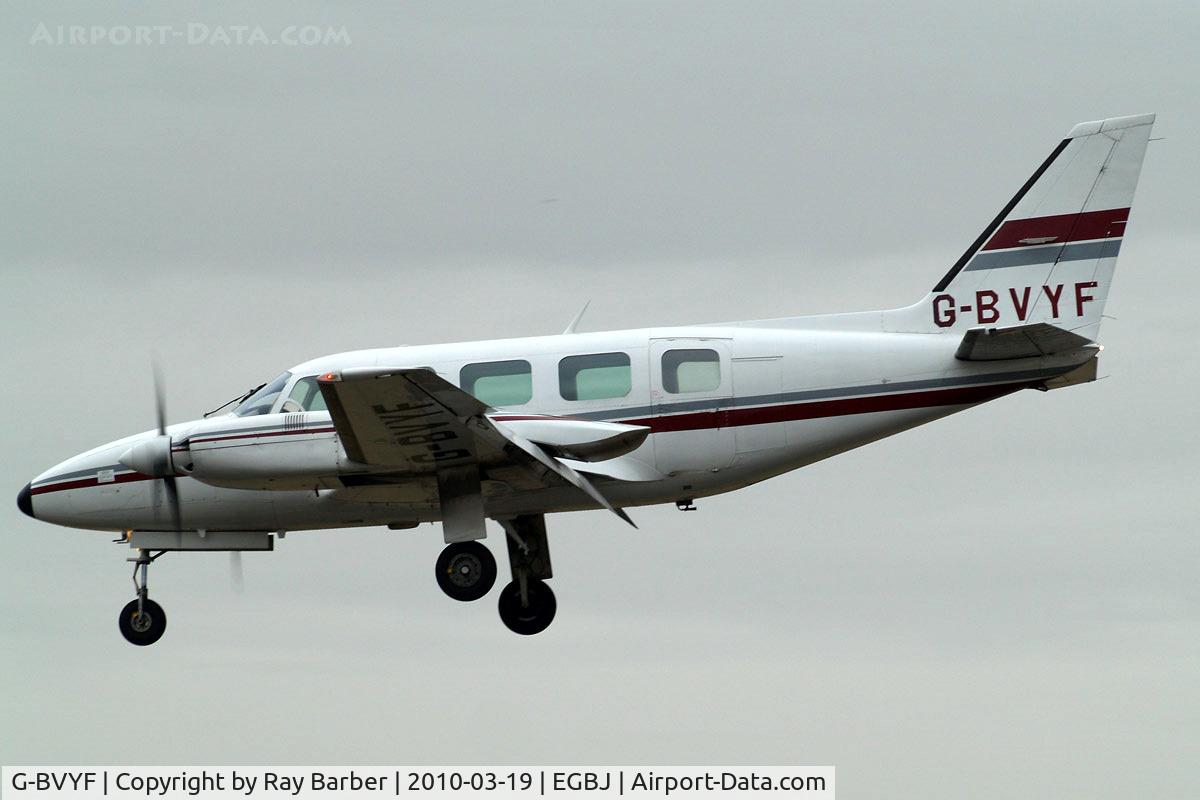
column 25, row 501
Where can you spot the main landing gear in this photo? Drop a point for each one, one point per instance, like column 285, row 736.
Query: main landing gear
column 142, row 620
column 467, row 571
column 527, row 606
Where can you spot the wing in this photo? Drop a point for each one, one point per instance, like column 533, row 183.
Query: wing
column 399, row 419
column 414, row 421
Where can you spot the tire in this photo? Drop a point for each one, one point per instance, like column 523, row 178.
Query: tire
column 146, row 630
column 465, row 571
column 531, row 619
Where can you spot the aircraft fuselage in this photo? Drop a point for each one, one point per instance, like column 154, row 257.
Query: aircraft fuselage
column 773, row 400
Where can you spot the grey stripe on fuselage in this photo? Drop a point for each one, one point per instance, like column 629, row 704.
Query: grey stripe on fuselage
column 818, row 394
column 711, row 404
column 83, row 473
column 1025, row 256
column 121, row 469
column 261, row 429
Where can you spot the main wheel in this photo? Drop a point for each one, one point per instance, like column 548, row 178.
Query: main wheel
column 529, row 617
column 465, row 570
column 144, row 628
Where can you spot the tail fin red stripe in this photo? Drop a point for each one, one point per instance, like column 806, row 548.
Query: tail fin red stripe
column 1059, row 229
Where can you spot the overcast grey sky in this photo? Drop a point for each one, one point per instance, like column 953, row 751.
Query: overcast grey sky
column 1002, row 604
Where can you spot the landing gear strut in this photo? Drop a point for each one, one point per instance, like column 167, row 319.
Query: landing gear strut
column 142, row 620
column 527, row 604
column 465, row 570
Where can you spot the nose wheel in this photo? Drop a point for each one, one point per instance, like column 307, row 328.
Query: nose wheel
column 144, row 625
column 465, row 570
column 142, row 621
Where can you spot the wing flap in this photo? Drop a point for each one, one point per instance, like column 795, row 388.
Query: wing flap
column 566, row 473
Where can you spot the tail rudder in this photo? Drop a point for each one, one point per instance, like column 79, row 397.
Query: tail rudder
column 1049, row 255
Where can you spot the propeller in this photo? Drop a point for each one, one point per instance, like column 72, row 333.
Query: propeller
column 160, row 411
column 153, row 456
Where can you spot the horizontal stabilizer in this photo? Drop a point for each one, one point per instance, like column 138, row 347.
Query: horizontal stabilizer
column 1084, row 373
column 1018, row 341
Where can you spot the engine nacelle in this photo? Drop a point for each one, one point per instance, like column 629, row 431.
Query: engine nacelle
column 299, row 451
column 579, row 439
column 275, row 451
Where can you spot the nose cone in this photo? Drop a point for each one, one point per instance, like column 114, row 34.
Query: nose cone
column 25, row 501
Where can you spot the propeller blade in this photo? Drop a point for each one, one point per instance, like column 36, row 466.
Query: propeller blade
column 173, row 501
column 235, row 571
column 160, row 403
column 168, row 481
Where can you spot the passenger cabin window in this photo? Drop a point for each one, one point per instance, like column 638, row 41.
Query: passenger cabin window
column 498, row 383
column 691, row 371
column 305, row 396
column 595, row 377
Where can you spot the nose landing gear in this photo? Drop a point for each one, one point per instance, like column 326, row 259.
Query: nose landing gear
column 142, row 621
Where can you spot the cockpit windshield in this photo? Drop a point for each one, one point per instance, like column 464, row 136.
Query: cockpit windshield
column 261, row 401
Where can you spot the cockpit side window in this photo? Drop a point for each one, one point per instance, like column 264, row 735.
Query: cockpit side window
column 305, row 396
column 262, row 401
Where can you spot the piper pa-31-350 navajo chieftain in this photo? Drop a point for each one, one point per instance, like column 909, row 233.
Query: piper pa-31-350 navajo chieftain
column 514, row 429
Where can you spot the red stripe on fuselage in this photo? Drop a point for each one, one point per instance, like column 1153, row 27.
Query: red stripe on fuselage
column 1060, row 228
column 736, row 417
column 719, row 418
column 83, row 483
column 130, row 477
column 297, row 432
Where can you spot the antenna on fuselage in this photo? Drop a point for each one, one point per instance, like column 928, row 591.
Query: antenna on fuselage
column 579, row 316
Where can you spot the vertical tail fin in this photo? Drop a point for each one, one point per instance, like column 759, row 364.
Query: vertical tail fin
column 1049, row 255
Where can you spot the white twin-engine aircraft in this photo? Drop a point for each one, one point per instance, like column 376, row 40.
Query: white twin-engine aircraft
column 514, row 429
